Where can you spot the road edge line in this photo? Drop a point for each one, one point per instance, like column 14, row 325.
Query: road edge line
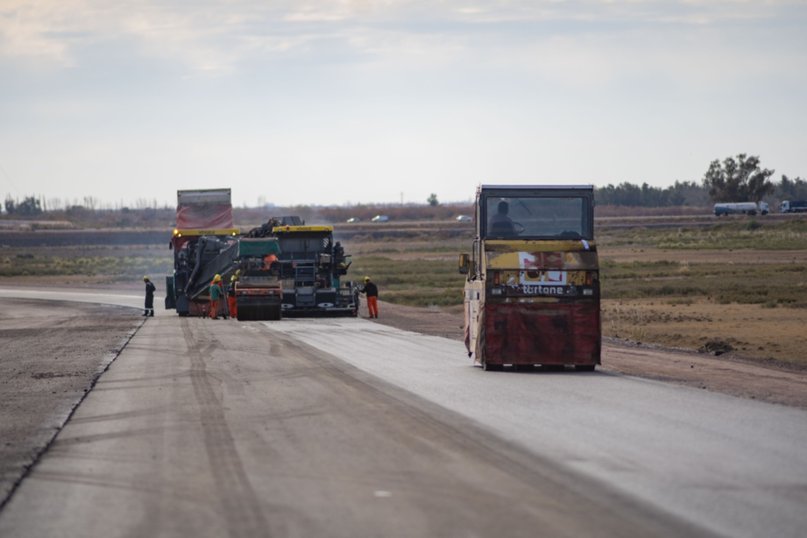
column 28, row 469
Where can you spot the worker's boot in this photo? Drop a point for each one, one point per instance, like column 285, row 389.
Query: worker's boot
column 145, row 312
column 151, row 313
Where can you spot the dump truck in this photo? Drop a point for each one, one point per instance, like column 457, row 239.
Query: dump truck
column 532, row 290
column 205, row 243
column 311, row 267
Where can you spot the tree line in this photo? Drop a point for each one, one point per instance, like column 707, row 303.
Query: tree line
column 734, row 179
column 740, row 179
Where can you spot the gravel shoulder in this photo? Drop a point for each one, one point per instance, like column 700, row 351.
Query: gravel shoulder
column 50, row 355
column 728, row 373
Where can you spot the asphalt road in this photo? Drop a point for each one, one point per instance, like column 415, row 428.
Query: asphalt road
column 50, row 355
column 343, row 427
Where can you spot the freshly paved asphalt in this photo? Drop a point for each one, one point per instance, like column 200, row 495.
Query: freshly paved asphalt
column 343, row 427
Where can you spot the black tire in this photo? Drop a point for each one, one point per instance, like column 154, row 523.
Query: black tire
column 492, row 367
column 585, row 367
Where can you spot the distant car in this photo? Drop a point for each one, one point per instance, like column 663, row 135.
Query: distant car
column 380, row 218
column 464, row 218
column 353, row 219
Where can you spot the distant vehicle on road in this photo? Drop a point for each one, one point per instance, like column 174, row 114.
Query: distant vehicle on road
column 793, row 206
column 741, row 208
column 380, row 218
column 464, row 218
column 352, row 220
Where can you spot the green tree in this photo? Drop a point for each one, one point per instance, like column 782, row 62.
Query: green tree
column 432, row 200
column 791, row 189
column 29, row 207
column 738, row 180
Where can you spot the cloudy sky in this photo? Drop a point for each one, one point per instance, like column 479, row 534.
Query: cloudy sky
column 345, row 101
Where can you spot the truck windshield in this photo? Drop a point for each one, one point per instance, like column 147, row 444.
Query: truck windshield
column 556, row 217
column 302, row 246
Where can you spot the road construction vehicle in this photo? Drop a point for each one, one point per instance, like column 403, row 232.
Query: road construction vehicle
column 311, row 266
column 258, row 291
column 206, row 244
column 532, row 291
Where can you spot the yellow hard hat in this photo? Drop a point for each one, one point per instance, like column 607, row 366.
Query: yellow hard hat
column 367, row 279
column 145, row 279
column 217, row 278
column 233, row 278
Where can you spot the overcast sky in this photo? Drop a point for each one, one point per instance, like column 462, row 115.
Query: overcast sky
column 334, row 102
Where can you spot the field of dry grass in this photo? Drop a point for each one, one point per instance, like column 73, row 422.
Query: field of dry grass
column 734, row 284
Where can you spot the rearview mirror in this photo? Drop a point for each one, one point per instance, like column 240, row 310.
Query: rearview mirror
column 464, row 264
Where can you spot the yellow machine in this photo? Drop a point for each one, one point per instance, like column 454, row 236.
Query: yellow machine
column 532, row 294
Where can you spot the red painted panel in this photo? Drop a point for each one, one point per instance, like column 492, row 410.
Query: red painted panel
column 204, row 216
column 541, row 333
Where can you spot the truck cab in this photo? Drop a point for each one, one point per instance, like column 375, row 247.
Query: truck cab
column 312, row 266
column 532, row 293
column 793, row 206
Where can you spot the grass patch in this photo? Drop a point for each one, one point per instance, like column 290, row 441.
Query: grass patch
column 117, row 263
column 412, row 282
column 754, row 234
column 777, row 284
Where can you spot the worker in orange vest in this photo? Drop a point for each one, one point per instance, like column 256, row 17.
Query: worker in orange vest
column 216, row 294
column 371, row 291
column 268, row 260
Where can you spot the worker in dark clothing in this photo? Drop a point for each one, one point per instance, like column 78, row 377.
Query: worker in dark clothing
column 501, row 223
column 150, row 289
column 232, row 302
column 371, row 291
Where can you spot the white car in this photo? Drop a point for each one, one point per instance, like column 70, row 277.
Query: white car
column 464, row 218
column 380, row 218
column 351, row 220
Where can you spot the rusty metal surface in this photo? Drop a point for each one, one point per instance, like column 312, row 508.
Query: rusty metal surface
column 547, row 334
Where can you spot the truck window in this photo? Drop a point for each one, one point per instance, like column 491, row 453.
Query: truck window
column 556, row 217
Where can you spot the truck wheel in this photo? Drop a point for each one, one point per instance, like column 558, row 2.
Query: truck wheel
column 585, row 367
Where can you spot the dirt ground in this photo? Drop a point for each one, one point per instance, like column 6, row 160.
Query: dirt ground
column 751, row 331
column 728, row 373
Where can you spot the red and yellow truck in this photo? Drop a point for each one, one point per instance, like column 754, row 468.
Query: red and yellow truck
column 532, row 291
column 205, row 243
